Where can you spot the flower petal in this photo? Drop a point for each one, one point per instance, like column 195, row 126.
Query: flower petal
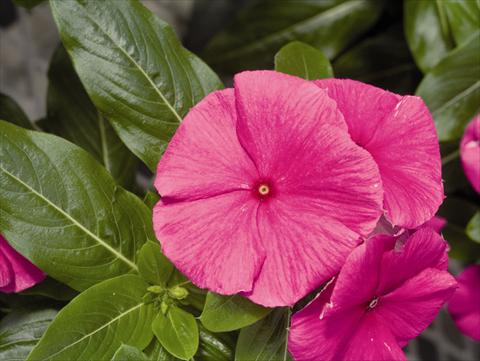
column 204, row 157
column 24, row 274
column 6, row 274
column 424, row 249
column 372, row 341
column 410, row 308
column 278, row 114
column 464, row 307
column 400, row 134
column 213, row 241
column 314, row 337
column 470, row 152
column 362, row 267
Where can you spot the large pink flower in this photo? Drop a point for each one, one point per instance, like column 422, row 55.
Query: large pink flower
column 464, row 307
column 263, row 190
column 387, row 293
column 16, row 272
column 470, row 152
column 400, row 134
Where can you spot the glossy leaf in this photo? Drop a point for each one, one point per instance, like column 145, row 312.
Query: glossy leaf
column 21, row 330
column 304, row 61
column 134, row 69
column 51, row 289
column 13, row 113
column 382, row 60
column 463, row 18
column 427, row 31
column 214, row 346
column 129, row 353
column 265, row 340
column 228, row 313
column 153, row 266
column 72, row 115
column 262, row 28
column 473, row 227
column 150, row 199
column 62, row 210
column 97, row 322
column 451, row 90
column 177, row 331
column 156, row 352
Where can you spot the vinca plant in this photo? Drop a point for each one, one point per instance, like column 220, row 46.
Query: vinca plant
column 300, row 182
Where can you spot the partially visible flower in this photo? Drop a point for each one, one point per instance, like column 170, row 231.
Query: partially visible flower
column 263, row 190
column 470, row 152
column 437, row 223
column 387, row 293
column 400, row 134
column 464, row 307
column 16, row 272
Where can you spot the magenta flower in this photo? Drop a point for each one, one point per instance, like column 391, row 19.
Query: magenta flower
column 263, row 190
column 16, row 272
column 464, row 307
column 387, row 293
column 470, row 152
column 400, row 134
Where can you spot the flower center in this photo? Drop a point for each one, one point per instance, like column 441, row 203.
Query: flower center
column 373, row 303
column 263, row 189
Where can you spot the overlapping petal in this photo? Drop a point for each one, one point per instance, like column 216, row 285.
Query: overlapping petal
column 16, row 272
column 214, row 241
column 400, row 134
column 464, row 307
column 470, row 152
column 323, row 191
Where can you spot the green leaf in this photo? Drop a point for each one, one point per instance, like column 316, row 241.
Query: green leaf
column 134, row 69
column 129, row 353
column 265, row 340
column 458, row 213
column 463, row 18
column 13, row 113
column 177, row 331
column 63, row 211
column 383, row 60
column 20, row 330
column 451, row 89
column 72, row 115
column 29, row 4
column 473, row 227
column 150, row 199
column 304, row 61
column 228, row 313
column 51, row 289
column 427, row 31
column 262, row 28
column 153, row 266
column 97, row 322
column 214, row 346
column 156, row 352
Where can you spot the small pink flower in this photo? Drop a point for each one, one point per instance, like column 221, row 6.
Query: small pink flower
column 263, row 190
column 464, row 307
column 387, row 293
column 16, row 272
column 470, row 152
column 400, row 134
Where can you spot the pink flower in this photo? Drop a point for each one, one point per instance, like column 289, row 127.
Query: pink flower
column 16, row 272
column 263, row 191
column 399, row 133
column 464, row 307
column 387, row 293
column 470, row 152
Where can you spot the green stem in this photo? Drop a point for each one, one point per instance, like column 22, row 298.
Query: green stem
column 452, row 156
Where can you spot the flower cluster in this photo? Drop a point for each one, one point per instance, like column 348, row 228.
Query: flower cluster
column 274, row 187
